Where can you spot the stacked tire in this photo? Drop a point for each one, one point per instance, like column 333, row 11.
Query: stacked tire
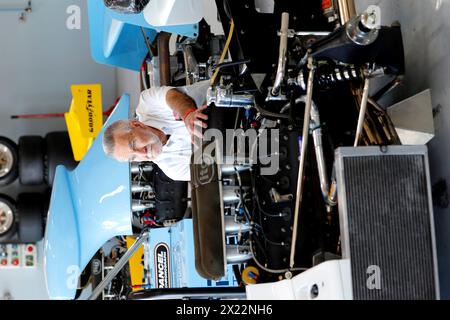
column 22, row 221
column 38, row 157
column 34, row 161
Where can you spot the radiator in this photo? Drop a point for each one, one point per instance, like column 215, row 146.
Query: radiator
column 386, row 221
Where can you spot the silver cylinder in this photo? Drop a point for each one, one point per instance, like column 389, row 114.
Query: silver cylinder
column 238, row 254
column 136, row 167
column 230, row 194
column 225, row 98
column 138, row 187
column 137, row 205
column 235, row 227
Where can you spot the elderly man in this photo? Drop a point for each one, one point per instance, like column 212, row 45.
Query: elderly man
column 157, row 135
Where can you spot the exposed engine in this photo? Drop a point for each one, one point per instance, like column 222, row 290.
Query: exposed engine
column 314, row 100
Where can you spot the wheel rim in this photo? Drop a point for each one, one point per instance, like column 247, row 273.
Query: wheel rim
column 6, row 218
column 6, row 160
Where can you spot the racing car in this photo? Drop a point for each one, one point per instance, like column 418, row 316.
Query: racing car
column 300, row 189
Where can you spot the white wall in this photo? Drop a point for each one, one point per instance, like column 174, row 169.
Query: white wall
column 129, row 82
column 39, row 60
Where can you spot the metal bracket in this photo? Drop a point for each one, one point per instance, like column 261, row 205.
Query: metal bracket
column 144, row 236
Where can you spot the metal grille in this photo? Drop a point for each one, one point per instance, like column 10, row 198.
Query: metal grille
column 387, row 227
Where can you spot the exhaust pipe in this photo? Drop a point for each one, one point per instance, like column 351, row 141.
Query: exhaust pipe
column 238, row 254
column 318, row 147
column 138, row 205
column 164, row 58
column 320, row 158
column 137, row 187
column 137, row 167
column 234, row 227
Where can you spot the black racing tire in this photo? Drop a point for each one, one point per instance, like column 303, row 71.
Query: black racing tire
column 8, row 218
column 31, row 160
column 59, row 152
column 30, row 207
column 8, row 161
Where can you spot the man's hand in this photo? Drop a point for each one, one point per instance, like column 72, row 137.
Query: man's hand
column 192, row 117
column 194, row 121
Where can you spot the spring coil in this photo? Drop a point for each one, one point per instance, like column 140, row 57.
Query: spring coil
column 326, row 77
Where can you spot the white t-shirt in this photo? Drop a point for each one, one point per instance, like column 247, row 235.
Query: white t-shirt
column 153, row 110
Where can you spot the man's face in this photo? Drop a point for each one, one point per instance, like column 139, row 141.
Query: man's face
column 140, row 143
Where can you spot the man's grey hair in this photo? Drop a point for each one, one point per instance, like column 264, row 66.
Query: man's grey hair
column 108, row 135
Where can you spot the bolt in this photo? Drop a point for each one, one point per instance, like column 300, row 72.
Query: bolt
column 314, row 291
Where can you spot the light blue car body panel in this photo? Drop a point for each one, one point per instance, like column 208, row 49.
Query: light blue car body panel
column 89, row 206
column 116, row 39
column 179, row 240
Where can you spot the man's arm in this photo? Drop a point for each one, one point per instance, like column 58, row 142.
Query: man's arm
column 186, row 108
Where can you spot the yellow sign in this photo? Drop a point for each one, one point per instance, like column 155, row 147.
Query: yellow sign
column 136, row 264
column 85, row 117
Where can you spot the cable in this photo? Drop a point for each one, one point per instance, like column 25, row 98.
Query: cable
column 237, row 118
column 241, row 192
column 275, row 243
column 232, row 63
column 268, row 269
column 224, row 52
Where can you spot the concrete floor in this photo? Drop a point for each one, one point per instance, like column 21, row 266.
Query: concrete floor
column 426, row 38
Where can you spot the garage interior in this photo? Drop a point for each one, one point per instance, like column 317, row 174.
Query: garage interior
column 43, row 58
